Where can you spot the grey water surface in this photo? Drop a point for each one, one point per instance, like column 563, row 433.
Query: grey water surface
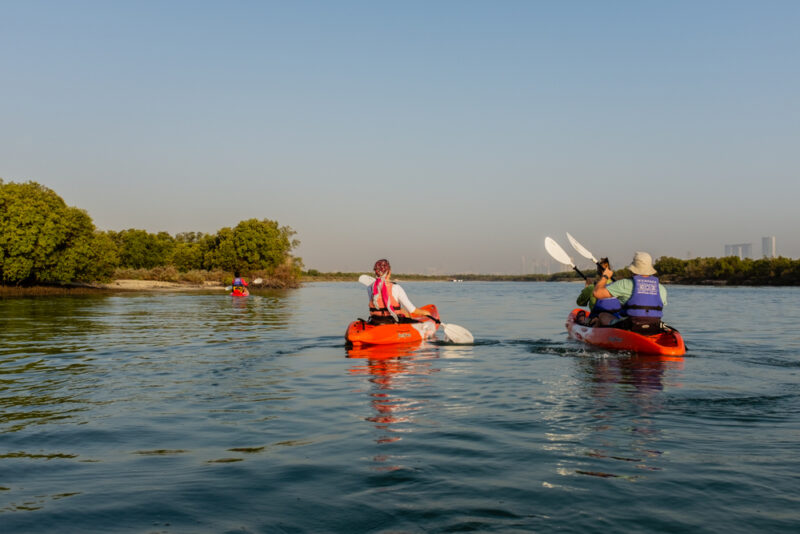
column 196, row 412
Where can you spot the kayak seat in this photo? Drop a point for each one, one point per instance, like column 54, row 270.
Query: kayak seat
column 377, row 320
column 646, row 326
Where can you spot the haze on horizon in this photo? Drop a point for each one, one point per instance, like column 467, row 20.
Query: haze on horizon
column 450, row 137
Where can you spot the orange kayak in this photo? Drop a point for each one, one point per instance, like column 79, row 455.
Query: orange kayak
column 361, row 332
column 666, row 343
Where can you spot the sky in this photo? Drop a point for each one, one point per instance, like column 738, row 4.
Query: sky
column 447, row 136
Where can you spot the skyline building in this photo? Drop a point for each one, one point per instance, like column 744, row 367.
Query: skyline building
column 768, row 247
column 742, row 250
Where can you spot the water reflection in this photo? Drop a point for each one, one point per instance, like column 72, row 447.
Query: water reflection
column 620, row 437
column 644, row 374
column 263, row 310
column 395, row 372
column 49, row 326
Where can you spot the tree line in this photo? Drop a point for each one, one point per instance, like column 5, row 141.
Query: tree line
column 44, row 241
column 730, row 270
column 717, row 271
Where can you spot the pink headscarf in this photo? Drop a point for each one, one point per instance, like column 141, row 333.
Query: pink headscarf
column 382, row 269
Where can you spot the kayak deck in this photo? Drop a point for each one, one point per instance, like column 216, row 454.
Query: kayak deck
column 666, row 343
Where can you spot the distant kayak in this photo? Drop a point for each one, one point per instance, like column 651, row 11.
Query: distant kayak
column 668, row 342
column 240, row 293
column 361, row 332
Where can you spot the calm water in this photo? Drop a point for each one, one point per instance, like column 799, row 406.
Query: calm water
column 196, row 413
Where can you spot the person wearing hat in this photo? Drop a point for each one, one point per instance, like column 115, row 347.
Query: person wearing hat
column 642, row 297
column 388, row 302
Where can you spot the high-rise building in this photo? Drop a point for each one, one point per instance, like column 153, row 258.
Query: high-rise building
column 768, row 248
column 741, row 250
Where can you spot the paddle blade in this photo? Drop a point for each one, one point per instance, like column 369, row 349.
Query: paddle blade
column 457, row 334
column 555, row 250
column 580, row 248
column 366, row 280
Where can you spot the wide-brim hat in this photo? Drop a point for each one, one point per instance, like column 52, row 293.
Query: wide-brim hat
column 642, row 264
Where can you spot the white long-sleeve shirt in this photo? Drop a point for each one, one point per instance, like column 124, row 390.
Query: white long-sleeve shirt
column 399, row 294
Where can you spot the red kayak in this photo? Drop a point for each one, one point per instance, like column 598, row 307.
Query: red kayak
column 240, row 293
column 667, row 342
column 361, row 332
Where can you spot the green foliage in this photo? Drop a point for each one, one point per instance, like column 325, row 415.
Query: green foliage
column 187, row 256
column 42, row 240
column 189, row 237
column 252, row 245
column 668, row 266
column 139, row 249
column 90, row 258
column 730, row 270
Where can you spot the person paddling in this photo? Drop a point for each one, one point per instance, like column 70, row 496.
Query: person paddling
column 388, row 302
column 642, row 297
column 602, row 312
column 239, row 284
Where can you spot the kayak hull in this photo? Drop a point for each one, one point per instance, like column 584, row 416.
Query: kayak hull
column 669, row 343
column 362, row 333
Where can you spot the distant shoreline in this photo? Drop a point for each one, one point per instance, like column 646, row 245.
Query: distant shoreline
column 131, row 285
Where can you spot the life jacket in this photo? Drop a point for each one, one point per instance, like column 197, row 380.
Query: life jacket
column 645, row 300
column 238, row 284
column 610, row 305
column 381, row 291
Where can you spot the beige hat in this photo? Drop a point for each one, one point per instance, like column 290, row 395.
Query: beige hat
column 642, row 264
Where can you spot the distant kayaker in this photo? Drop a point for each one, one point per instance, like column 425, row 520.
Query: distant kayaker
column 239, row 284
column 642, row 297
column 382, row 292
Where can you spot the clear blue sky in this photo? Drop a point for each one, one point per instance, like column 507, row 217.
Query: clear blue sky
column 449, row 136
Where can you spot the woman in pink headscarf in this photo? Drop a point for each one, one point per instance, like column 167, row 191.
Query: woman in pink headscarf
column 388, row 302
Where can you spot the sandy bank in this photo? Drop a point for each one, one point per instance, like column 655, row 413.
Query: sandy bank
column 140, row 285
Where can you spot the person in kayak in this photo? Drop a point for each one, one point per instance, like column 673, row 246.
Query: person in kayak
column 586, row 296
column 388, row 302
column 239, row 284
column 603, row 312
column 642, row 297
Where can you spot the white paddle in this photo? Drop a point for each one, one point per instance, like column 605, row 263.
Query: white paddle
column 558, row 254
column 453, row 332
column 583, row 251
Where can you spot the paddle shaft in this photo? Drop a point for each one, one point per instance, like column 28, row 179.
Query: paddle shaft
column 579, row 272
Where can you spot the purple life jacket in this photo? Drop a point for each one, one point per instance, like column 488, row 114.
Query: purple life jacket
column 610, row 305
column 645, row 300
